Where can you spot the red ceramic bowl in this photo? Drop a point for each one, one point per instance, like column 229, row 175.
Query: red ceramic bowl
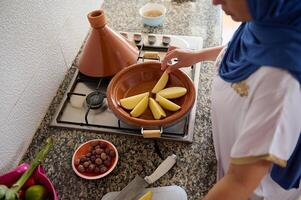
column 39, row 176
column 140, row 78
column 84, row 149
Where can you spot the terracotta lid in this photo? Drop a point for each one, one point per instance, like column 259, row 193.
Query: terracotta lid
column 141, row 78
column 97, row 19
column 105, row 52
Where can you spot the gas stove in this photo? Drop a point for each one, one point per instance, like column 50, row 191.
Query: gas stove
column 84, row 105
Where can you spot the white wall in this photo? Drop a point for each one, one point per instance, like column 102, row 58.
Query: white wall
column 38, row 41
column 229, row 27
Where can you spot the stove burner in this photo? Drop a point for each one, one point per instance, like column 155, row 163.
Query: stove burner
column 95, row 100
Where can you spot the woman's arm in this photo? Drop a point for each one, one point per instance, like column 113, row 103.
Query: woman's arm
column 239, row 182
column 208, row 53
column 186, row 58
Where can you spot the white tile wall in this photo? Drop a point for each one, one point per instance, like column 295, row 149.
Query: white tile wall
column 38, row 41
column 229, row 27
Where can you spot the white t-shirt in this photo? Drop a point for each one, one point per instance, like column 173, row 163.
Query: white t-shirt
column 265, row 124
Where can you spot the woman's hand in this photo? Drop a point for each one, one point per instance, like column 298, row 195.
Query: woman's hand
column 182, row 57
column 186, row 58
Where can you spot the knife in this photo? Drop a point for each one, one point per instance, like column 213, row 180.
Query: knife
column 136, row 186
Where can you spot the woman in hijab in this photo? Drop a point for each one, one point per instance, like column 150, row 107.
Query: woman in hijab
column 257, row 86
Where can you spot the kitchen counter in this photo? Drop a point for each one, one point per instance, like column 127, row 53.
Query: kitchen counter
column 196, row 166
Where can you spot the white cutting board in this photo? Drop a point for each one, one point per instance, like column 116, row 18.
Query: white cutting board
column 160, row 193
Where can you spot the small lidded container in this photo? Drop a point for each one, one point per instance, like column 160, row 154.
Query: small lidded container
column 152, row 14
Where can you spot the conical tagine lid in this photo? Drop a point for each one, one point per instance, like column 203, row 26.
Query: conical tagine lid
column 105, row 52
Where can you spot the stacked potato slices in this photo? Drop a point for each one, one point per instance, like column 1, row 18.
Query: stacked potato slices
column 139, row 103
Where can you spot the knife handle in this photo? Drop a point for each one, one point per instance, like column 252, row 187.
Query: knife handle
column 164, row 167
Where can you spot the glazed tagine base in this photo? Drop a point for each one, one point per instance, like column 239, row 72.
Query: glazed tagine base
column 140, row 78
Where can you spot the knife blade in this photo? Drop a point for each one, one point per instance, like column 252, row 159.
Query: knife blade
column 138, row 184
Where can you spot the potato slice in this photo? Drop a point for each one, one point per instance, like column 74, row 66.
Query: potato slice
column 147, row 196
column 165, row 103
column 173, row 92
column 130, row 102
column 161, row 83
column 156, row 109
column 140, row 107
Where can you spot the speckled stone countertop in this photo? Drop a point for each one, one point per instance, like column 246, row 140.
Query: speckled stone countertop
column 196, row 165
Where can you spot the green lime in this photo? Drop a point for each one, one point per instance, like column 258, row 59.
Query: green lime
column 36, row 192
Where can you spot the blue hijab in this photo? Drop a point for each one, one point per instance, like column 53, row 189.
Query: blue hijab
column 271, row 38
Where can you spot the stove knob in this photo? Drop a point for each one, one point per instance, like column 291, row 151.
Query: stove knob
column 137, row 38
column 165, row 40
column 151, row 39
column 124, row 34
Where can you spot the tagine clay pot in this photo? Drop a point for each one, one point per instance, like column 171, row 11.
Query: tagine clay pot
column 105, row 52
column 140, row 78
